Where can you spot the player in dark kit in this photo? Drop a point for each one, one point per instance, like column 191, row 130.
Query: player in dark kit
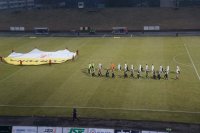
column 113, row 74
column 1, row 58
column 125, row 74
column 107, row 73
column 147, row 74
column 74, row 114
column 142, row 69
column 132, row 73
column 138, row 74
column 89, row 68
column 93, row 71
column 99, row 73
column 159, row 77
column 166, row 75
column 154, row 74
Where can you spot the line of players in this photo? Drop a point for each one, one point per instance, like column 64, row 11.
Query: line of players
column 132, row 70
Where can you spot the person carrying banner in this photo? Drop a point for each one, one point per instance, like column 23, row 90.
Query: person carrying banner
column 20, row 62
column 1, row 58
column 50, row 62
column 77, row 52
column 73, row 58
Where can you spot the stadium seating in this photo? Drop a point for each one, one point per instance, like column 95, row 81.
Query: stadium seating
column 102, row 19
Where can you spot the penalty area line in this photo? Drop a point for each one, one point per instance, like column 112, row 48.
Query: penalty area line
column 101, row 108
column 192, row 61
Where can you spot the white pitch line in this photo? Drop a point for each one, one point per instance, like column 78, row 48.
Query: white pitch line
column 174, row 59
column 192, row 61
column 100, row 108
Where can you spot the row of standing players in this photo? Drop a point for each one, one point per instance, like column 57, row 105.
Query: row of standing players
column 155, row 74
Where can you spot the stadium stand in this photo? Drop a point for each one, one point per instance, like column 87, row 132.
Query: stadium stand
column 102, row 19
column 16, row 4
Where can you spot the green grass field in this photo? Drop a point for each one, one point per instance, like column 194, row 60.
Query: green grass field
column 54, row 90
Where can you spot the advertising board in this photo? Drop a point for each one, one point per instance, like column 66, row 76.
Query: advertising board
column 75, row 130
column 24, row 129
column 127, row 131
column 5, row 129
column 98, row 130
column 49, row 130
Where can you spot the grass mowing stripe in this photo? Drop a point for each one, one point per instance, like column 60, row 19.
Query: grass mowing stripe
column 9, row 76
column 191, row 61
column 100, row 108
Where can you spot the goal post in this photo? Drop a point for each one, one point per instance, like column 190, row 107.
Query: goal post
column 41, row 30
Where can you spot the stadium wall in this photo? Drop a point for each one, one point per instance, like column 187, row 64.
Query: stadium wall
column 25, row 124
column 118, row 3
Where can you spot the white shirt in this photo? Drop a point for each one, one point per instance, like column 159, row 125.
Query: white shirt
column 119, row 67
column 132, row 67
column 147, row 67
column 152, row 68
column 125, row 67
column 100, row 66
column 167, row 68
column 177, row 71
column 160, row 68
column 177, row 68
column 140, row 68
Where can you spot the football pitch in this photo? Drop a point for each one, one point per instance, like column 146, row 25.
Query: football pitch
column 53, row 90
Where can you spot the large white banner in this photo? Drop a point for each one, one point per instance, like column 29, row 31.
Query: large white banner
column 38, row 57
column 75, row 130
column 23, row 129
column 98, row 130
column 49, row 129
